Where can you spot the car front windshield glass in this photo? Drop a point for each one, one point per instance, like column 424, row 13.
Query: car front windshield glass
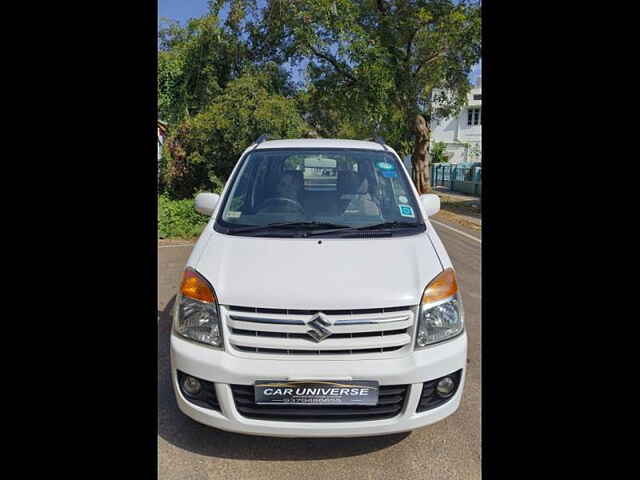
column 322, row 188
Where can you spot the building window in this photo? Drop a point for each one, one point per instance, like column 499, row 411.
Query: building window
column 477, row 97
column 473, row 116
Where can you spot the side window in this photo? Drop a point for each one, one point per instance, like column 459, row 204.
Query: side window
column 293, row 162
column 239, row 194
column 394, row 193
column 258, row 189
column 392, row 188
column 347, row 165
column 240, row 197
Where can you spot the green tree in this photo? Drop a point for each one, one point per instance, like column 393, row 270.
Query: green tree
column 211, row 142
column 217, row 95
column 195, row 63
column 385, row 66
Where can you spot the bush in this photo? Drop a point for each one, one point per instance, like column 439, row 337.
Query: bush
column 438, row 153
column 202, row 150
column 178, row 218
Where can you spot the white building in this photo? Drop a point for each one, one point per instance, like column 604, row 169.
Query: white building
column 462, row 134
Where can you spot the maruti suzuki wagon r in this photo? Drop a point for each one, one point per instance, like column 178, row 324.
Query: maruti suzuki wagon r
column 319, row 300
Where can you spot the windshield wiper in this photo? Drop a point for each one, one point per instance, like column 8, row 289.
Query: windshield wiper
column 394, row 224
column 377, row 226
column 288, row 225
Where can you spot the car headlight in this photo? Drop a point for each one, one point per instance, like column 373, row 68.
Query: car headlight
column 196, row 314
column 441, row 313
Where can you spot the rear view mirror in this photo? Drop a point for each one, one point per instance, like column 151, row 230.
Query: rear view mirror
column 206, row 203
column 430, row 204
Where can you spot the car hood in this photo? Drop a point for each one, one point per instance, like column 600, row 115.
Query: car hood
column 299, row 273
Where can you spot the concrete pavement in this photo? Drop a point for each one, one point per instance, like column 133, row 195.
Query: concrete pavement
column 446, row 450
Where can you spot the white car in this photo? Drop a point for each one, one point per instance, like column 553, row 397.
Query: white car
column 307, row 312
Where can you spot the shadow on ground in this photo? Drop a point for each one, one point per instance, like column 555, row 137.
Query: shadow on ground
column 179, row 430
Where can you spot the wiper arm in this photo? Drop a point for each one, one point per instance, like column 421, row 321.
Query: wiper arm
column 287, row 225
column 377, row 226
column 394, row 224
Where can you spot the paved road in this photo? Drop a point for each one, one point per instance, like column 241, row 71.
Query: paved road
column 449, row 449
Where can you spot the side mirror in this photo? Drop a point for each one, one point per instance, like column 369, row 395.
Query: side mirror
column 430, row 204
column 206, row 202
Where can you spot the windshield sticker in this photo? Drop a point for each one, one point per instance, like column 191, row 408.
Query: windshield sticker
column 403, row 199
column 234, row 214
column 390, row 174
column 406, row 211
column 385, row 166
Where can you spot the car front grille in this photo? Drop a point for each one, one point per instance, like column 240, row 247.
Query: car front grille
column 391, row 400
column 332, row 333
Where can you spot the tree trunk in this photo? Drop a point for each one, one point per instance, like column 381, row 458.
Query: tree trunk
column 420, row 158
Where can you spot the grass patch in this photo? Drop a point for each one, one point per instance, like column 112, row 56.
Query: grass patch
column 178, row 219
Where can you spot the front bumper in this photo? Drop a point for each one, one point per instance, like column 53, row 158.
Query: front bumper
column 224, row 369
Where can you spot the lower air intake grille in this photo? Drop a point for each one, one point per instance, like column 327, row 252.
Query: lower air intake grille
column 282, row 351
column 206, row 398
column 429, row 398
column 391, row 399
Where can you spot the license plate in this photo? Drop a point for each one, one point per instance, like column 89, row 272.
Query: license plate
column 316, row 392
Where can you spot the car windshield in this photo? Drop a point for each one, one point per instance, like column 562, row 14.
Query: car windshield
column 313, row 189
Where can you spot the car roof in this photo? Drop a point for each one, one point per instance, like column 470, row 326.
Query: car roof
column 319, row 143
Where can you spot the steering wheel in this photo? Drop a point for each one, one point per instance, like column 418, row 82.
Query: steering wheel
column 282, row 201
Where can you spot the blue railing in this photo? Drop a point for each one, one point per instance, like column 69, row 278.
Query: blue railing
column 458, row 177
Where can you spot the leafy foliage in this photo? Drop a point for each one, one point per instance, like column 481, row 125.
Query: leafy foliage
column 178, row 218
column 195, row 63
column 371, row 67
column 437, row 153
column 213, row 140
column 374, row 63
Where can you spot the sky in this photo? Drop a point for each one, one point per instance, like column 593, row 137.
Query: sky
column 183, row 10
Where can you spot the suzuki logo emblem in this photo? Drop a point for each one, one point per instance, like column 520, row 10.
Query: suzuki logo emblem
column 318, row 324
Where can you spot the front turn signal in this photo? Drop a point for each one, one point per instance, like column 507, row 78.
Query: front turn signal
column 195, row 287
column 441, row 287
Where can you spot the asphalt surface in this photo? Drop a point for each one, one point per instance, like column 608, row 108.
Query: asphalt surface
column 449, row 449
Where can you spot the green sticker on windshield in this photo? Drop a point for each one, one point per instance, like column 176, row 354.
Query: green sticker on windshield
column 406, row 211
column 385, row 166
